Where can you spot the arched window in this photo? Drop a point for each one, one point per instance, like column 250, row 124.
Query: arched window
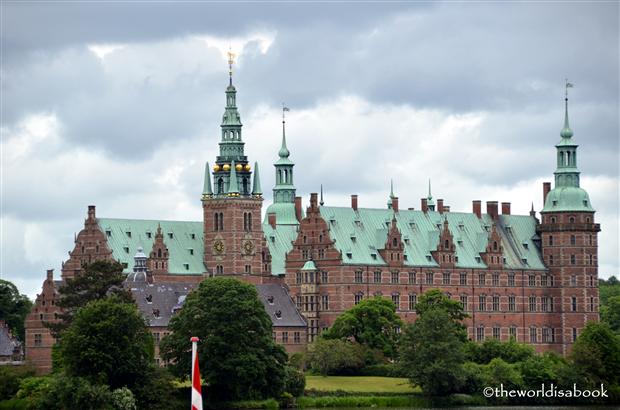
column 249, row 221
column 220, row 186
column 394, row 242
column 244, row 183
column 159, row 253
column 571, row 219
column 216, row 221
column 495, row 245
column 446, row 244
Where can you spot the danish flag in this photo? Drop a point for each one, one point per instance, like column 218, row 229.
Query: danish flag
column 196, row 390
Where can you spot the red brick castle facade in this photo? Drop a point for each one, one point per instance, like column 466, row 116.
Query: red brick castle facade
column 516, row 276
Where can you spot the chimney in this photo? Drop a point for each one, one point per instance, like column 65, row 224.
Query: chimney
column 395, row 204
column 546, row 189
column 505, row 208
column 298, row 208
column 50, row 273
column 492, row 209
column 354, row 202
column 446, row 208
column 477, row 207
column 424, row 205
column 313, row 200
column 440, row 206
column 91, row 211
column 271, row 218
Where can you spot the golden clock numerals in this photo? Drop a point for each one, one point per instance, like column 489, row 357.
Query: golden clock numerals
column 248, row 247
column 218, row 247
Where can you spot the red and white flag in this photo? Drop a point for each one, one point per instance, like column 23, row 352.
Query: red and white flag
column 196, row 390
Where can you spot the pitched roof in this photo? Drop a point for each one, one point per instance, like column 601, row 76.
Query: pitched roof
column 360, row 234
column 159, row 301
column 279, row 305
column 280, row 242
column 8, row 343
column 184, row 240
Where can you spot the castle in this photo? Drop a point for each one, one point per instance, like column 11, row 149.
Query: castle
column 515, row 275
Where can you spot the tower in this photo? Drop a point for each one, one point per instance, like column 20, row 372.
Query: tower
column 283, row 205
column 569, row 240
column 232, row 205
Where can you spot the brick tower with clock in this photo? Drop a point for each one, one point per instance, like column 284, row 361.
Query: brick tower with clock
column 233, row 238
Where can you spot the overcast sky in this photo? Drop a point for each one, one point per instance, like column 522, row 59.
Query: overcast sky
column 118, row 105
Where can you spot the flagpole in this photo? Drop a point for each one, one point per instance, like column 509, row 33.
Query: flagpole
column 196, row 387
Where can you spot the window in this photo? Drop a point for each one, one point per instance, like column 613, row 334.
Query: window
column 446, row 278
column 545, row 304
column 463, row 299
column 463, row 278
column 550, row 260
column 108, row 233
column 590, row 260
column 513, row 332
column 544, row 280
column 481, row 279
column 496, row 332
column 573, row 280
column 533, row 334
column 157, row 337
column 573, row 260
column 511, row 279
column 591, row 280
column 324, row 277
column 394, row 277
column 413, row 299
column 248, row 269
column 358, row 276
column 186, row 266
column 321, row 253
column 495, row 279
column 396, row 300
column 512, row 305
column 219, row 269
column 296, row 338
column 531, row 280
column 573, row 304
column 412, row 278
column 299, row 277
column 573, row 240
column 358, row 298
column 325, row 302
column 38, row 340
column 482, row 302
column 377, row 276
column 429, row 278
column 532, row 303
column 546, row 335
column 247, row 221
column 480, row 333
column 126, row 249
column 284, row 337
column 495, row 303
column 592, row 304
column 551, row 236
column 574, row 334
column 170, row 235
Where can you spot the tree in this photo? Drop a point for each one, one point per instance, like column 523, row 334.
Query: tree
column 596, row 353
column 372, row 323
column 335, row 357
column 13, row 308
column 96, row 281
column 610, row 313
column 432, row 350
column 434, row 299
column 108, row 343
column 510, row 351
column 238, row 357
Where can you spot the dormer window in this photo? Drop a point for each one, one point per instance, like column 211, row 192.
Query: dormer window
column 192, row 235
column 270, row 299
column 373, row 256
column 278, row 314
column 186, row 265
column 149, row 298
column 126, row 249
column 554, row 202
column 429, row 258
column 349, row 255
column 353, row 239
column 108, row 233
column 149, row 235
column 273, row 239
column 526, row 245
column 156, row 313
column 170, row 235
column 191, row 251
column 128, row 233
column 478, row 259
column 585, row 202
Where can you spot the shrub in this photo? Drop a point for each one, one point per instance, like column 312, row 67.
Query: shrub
column 298, row 361
column 294, row 382
column 11, row 377
column 384, row 370
column 123, row 399
column 335, row 357
column 510, row 352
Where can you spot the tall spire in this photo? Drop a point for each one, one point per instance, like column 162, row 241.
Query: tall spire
column 206, row 190
column 231, row 60
column 233, row 186
column 566, row 131
column 389, row 202
column 321, row 202
column 284, row 152
column 256, row 189
column 429, row 198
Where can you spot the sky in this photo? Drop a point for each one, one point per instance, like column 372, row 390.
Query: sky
column 118, row 104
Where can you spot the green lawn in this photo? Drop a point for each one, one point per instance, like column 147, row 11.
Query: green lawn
column 366, row 384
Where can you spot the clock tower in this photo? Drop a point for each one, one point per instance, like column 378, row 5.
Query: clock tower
column 232, row 202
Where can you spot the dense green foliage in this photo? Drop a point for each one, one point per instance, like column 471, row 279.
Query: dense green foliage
column 13, row 308
column 295, row 381
column 109, row 343
column 432, row 352
column 510, row 352
column 609, row 293
column 335, row 357
column 11, row 377
column 436, row 299
column 372, row 323
column 608, row 288
column 596, row 352
column 238, row 357
column 96, row 281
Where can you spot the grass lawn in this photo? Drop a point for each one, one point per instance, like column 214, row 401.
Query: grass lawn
column 366, row 384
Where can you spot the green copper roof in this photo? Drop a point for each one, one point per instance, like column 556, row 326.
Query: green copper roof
column 183, row 239
column 279, row 242
column 567, row 199
column 360, row 235
column 233, row 186
column 256, row 189
column 285, row 213
column 206, row 190
column 309, row 265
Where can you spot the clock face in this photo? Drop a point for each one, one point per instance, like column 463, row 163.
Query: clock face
column 248, row 247
column 218, row 247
